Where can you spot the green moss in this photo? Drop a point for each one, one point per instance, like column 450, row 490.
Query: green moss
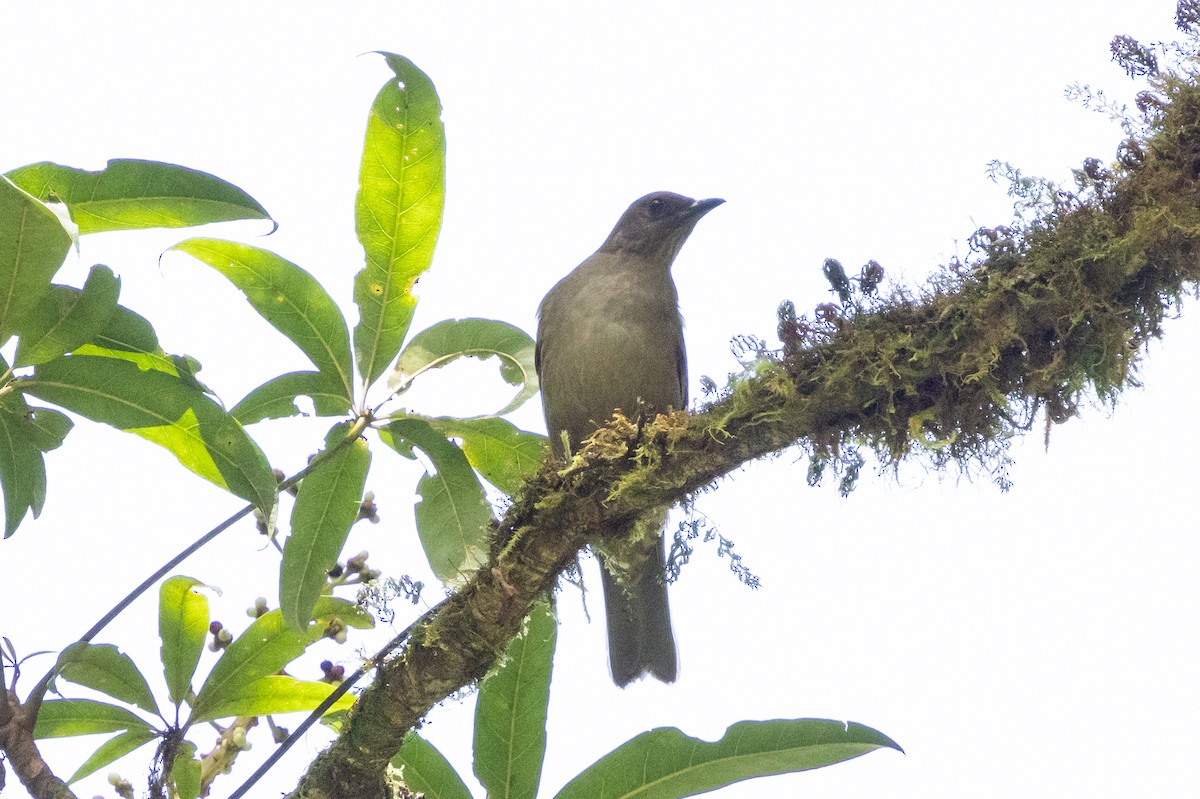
column 1049, row 312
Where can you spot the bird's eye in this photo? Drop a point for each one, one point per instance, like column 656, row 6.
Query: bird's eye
column 657, row 206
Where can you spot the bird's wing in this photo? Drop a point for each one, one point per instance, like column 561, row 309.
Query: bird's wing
column 681, row 370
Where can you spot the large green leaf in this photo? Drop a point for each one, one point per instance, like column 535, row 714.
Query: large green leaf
column 666, row 764
column 33, row 244
column 326, row 507
column 276, row 398
column 130, row 194
column 25, row 433
column 266, row 646
column 182, row 627
column 425, row 770
column 453, row 513
column 290, row 299
column 510, row 714
column 64, row 718
column 277, row 693
column 504, row 454
column 446, row 341
column 106, row 669
column 399, row 210
column 113, row 749
column 68, row 317
column 170, row 411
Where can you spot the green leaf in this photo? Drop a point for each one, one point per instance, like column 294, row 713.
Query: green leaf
column 290, row 299
column 326, row 507
column 267, row 646
column 453, row 513
column 504, row 454
column 510, row 714
column 425, row 770
column 185, row 772
column 22, row 472
column 106, row 669
column 666, row 764
column 33, row 245
column 67, row 317
column 398, row 213
column 276, row 398
column 130, row 337
column 167, row 410
column 25, row 433
column 112, row 750
column 45, row 428
column 135, row 195
column 64, row 718
column 446, row 341
column 130, row 332
column 182, row 626
column 270, row 695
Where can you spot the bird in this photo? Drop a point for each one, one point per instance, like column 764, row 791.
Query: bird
column 610, row 336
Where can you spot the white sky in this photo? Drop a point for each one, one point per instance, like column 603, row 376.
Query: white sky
column 1040, row 642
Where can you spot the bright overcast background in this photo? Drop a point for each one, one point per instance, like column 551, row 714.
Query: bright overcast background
column 1039, row 642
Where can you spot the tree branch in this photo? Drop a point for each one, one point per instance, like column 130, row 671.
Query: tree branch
column 1045, row 315
column 16, row 741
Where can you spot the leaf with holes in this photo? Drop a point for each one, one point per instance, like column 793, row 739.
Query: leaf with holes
column 453, row 513
column 398, row 213
column 446, row 341
column 500, row 451
column 276, row 398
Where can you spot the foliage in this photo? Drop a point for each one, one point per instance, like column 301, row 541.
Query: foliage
column 79, row 349
column 1044, row 314
column 243, row 683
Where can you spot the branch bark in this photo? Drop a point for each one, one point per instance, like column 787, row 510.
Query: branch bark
column 16, row 741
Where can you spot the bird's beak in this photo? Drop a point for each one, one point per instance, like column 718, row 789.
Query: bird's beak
column 701, row 207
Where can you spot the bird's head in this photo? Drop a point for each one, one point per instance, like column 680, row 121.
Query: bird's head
column 657, row 225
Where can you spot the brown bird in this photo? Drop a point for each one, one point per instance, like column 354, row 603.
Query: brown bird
column 610, row 337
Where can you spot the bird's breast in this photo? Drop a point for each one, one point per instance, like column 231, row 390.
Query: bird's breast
column 605, row 344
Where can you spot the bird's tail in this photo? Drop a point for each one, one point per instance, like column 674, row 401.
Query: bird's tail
column 640, row 639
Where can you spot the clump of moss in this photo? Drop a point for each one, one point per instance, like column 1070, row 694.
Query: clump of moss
column 1046, row 313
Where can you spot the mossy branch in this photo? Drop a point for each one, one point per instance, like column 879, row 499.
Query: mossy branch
column 1045, row 314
